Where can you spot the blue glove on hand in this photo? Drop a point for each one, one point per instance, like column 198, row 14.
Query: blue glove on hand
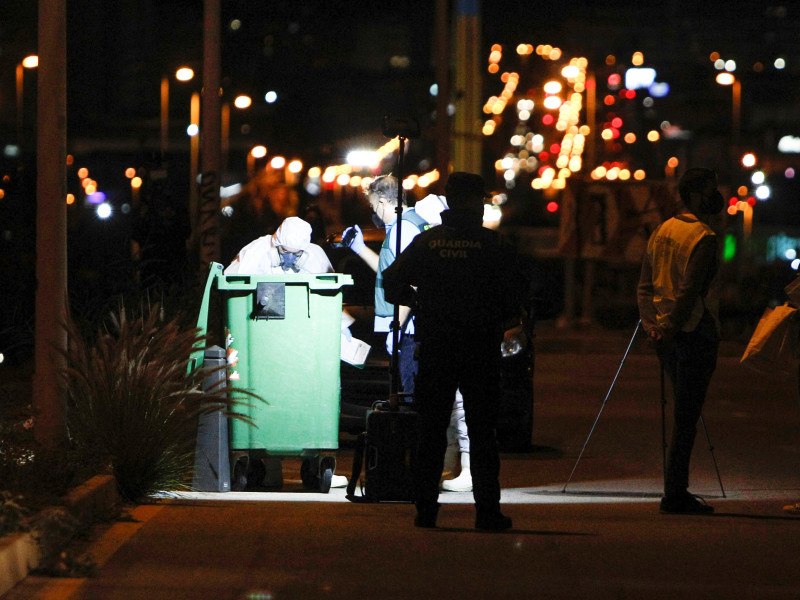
column 356, row 244
column 390, row 342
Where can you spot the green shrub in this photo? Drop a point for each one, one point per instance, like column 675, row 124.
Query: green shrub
column 131, row 399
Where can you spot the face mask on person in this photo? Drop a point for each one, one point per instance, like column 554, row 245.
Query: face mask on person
column 712, row 203
column 377, row 221
column 291, row 261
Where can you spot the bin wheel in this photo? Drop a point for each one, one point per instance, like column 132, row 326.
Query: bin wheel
column 239, row 475
column 255, row 473
column 308, row 474
column 326, row 466
column 325, row 481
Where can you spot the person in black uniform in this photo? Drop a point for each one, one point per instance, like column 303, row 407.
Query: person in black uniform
column 677, row 271
column 465, row 288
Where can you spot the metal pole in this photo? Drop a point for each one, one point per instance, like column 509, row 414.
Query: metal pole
column 622, row 362
column 663, row 425
column 395, row 375
column 208, row 222
column 713, row 458
column 51, row 225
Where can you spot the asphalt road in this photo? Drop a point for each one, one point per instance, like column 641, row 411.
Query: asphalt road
column 599, row 537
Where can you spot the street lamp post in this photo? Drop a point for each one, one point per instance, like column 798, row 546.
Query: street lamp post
column 736, row 104
column 182, row 74
column 29, row 62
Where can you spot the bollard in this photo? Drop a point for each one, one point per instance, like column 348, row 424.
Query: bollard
column 212, row 471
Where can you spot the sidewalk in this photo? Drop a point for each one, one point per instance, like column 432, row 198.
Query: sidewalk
column 599, row 537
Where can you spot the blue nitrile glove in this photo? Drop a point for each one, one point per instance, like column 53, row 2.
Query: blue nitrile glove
column 390, row 342
column 357, row 243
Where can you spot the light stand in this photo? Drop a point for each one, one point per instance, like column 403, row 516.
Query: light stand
column 403, row 129
column 663, row 421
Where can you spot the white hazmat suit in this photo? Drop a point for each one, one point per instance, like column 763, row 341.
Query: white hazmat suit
column 264, row 255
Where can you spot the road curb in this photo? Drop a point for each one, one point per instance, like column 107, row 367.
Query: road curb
column 19, row 552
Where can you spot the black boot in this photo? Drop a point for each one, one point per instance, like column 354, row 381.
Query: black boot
column 426, row 515
column 492, row 520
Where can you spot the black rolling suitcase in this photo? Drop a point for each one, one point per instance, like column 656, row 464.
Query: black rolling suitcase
column 387, row 451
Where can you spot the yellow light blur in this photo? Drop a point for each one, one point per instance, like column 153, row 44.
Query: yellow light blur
column 90, row 189
column 554, row 54
column 70, row 198
column 725, row 78
column 495, row 56
column 673, row 162
column 328, row 176
column 314, row 172
column 83, row 172
column 639, row 175
column 184, row 74
column 242, row 101
column 30, row 62
column 749, row 160
column 259, row 151
column 653, row 135
column 355, row 181
column 552, row 87
column 522, row 49
column 295, row 166
column 496, row 48
column 732, row 210
column 277, row 162
column 607, row 135
column 637, row 59
column 130, row 172
column 630, row 138
column 343, row 180
column 624, row 175
column 136, row 183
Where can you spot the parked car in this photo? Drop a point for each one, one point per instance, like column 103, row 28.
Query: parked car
column 362, row 387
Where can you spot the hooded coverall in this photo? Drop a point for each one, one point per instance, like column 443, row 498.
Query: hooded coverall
column 261, row 256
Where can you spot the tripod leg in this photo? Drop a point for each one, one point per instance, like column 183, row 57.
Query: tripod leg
column 713, row 458
column 591, row 431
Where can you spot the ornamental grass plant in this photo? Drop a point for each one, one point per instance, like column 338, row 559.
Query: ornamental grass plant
column 133, row 402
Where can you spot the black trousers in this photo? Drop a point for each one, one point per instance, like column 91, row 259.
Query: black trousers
column 689, row 362
column 471, row 363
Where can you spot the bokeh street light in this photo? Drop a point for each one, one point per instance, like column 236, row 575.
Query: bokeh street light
column 255, row 153
column 29, row 62
column 182, row 74
column 727, row 78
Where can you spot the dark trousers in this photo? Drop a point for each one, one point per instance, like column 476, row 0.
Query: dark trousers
column 689, row 362
column 407, row 364
column 469, row 363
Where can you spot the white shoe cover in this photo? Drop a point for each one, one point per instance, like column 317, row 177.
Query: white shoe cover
column 462, row 483
column 339, row 481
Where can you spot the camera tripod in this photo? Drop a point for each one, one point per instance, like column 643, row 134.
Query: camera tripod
column 663, row 421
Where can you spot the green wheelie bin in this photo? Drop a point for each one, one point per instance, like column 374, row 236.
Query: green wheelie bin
column 283, row 343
